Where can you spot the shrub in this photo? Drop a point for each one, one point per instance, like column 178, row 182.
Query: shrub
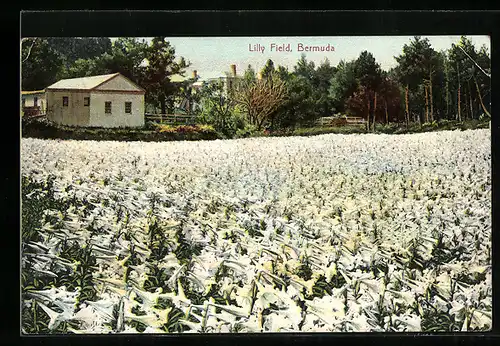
column 206, row 128
column 42, row 128
column 165, row 129
column 186, row 129
column 324, row 130
column 484, row 117
column 247, row 131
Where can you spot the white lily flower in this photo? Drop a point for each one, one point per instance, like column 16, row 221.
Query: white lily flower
column 351, row 213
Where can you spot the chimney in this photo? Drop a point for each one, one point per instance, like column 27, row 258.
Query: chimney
column 233, row 70
column 195, row 74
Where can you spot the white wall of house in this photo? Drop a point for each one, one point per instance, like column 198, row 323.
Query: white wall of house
column 118, row 116
column 74, row 114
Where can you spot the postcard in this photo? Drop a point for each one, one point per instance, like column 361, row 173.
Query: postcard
column 256, row 184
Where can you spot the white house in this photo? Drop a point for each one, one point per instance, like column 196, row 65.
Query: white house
column 33, row 102
column 98, row 101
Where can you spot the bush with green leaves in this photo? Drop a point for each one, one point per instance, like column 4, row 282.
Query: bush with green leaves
column 218, row 108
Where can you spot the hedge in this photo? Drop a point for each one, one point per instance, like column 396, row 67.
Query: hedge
column 43, row 128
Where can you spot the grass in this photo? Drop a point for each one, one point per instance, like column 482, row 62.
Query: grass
column 442, row 125
column 42, row 128
column 392, row 128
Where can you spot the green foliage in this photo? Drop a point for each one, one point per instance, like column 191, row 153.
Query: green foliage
column 343, row 84
column 41, row 128
column 451, row 76
column 34, row 54
column 218, row 108
column 324, row 130
column 249, row 74
column 268, row 69
column 453, row 84
column 304, row 271
column 186, row 250
column 248, row 131
column 74, row 48
column 308, row 96
column 125, row 56
column 77, row 274
column 162, row 64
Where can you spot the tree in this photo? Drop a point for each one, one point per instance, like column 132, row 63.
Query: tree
column 83, row 68
column 75, row 48
column 160, row 90
column 126, row 56
column 482, row 81
column 343, row 84
column 390, row 99
column 304, row 68
column 218, row 108
column 261, row 98
column 467, row 67
column 359, row 103
column 417, row 69
column 321, row 83
column 249, row 74
column 282, row 73
column 298, row 108
column 40, row 64
column 369, row 76
column 268, row 69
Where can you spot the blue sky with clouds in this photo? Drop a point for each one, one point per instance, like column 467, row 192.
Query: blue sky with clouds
column 212, row 56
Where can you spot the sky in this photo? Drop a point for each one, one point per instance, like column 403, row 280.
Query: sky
column 212, row 56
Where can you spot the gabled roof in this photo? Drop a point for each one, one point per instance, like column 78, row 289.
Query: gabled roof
column 84, row 83
column 88, row 83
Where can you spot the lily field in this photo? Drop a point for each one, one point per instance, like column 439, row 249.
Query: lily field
column 330, row 233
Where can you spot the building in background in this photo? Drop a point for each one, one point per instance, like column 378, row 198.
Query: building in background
column 98, row 101
column 229, row 80
column 33, row 102
column 186, row 104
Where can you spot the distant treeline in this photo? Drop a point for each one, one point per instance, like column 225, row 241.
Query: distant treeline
column 425, row 85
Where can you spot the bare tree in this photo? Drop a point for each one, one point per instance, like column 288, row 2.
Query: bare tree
column 29, row 49
column 261, row 98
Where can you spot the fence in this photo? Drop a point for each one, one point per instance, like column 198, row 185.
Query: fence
column 339, row 121
column 171, row 118
column 33, row 111
column 355, row 120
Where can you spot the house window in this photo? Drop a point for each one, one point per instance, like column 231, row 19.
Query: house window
column 128, row 107
column 35, row 101
column 65, row 101
column 107, row 107
column 86, row 101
